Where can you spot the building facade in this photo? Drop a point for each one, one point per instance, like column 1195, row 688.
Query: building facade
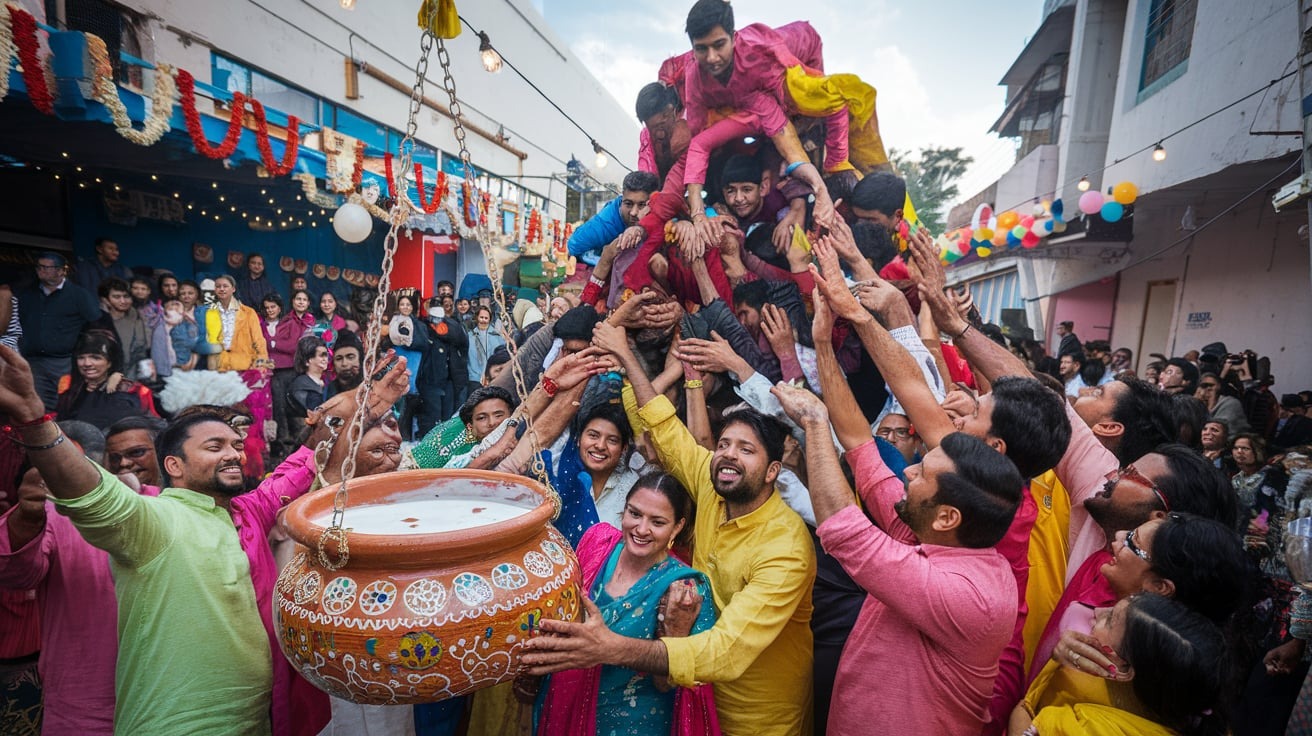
column 1201, row 256
column 348, row 70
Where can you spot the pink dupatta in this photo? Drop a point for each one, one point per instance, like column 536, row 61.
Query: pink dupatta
column 570, row 705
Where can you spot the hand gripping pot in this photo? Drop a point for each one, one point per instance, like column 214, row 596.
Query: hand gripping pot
column 448, row 574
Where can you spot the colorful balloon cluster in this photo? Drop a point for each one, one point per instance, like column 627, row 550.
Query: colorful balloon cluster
column 988, row 234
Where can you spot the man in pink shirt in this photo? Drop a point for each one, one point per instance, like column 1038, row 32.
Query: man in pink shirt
column 79, row 622
column 923, row 654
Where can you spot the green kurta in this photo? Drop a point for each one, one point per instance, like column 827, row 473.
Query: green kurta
column 193, row 655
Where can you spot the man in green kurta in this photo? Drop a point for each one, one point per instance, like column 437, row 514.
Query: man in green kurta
column 193, row 655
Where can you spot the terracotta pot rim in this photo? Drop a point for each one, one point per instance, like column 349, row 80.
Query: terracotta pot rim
column 414, row 550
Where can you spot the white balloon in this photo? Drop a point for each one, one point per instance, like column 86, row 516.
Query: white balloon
column 352, row 223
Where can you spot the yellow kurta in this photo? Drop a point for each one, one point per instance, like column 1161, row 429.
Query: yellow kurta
column 761, row 567
column 1048, row 552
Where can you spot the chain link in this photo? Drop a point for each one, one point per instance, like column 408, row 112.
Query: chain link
column 400, row 211
column 483, row 232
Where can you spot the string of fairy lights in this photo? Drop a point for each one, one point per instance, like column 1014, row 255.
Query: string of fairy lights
column 268, row 211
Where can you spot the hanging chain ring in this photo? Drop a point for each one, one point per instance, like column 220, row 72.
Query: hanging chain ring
column 484, row 236
column 336, row 534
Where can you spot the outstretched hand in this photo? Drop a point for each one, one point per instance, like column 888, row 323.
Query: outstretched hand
column 777, row 329
column 18, row 399
column 833, row 287
column 566, row 645
column 576, row 368
column 932, row 282
column 712, row 356
column 631, row 237
column 800, row 404
column 610, row 338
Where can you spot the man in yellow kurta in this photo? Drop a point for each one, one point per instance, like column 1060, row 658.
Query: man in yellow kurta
column 756, row 552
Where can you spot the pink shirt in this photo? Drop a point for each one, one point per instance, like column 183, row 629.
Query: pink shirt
column 924, row 651
column 254, row 514
column 79, row 622
column 1083, row 471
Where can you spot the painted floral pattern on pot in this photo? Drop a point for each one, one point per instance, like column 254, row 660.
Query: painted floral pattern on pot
column 422, row 617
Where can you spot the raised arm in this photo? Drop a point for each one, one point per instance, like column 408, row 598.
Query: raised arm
column 849, row 423
column 900, row 371
column 830, row 493
column 988, row 358
column 67, row 472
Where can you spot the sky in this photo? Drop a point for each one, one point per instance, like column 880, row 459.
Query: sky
column 935, row 63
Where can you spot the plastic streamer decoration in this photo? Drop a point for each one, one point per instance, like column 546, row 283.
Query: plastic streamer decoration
column 106, row 93
column 20, row 40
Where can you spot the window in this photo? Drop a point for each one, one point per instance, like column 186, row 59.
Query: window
column 119, row 28
column 1167, row 39
column 996, row 292
column 276, row 95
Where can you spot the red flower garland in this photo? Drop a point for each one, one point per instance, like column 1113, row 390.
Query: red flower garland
column 428, row 207
column 534, row 234
column 272, row 165
column 187, row 86
column 484, row 207
column 387, row 169
column 34, row 76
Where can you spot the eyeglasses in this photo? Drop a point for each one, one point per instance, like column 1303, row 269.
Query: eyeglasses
column 136, row 453
column 889, row 433
column 1138, row 551
column 1208, row 385
column 43, row 267
column 1130, row 473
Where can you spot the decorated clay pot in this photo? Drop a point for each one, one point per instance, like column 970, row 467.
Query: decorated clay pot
column 448, row 573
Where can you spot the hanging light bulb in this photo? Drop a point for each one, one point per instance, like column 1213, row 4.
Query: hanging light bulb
column 602, row 159
column 491, row 59
column 1083, row 186
column 348, row 4
column 1159, row 153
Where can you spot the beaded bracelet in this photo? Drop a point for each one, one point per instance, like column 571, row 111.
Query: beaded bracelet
column 59, row 440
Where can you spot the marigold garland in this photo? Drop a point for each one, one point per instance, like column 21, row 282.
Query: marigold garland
column 334, row 176
column 7, row 50
column 429, row 207
column 187, row 86
column 293, row 143
column 534, row 234
column 23, row 31
column 106, row 93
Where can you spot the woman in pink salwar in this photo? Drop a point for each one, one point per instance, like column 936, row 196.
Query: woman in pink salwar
column 641, row 590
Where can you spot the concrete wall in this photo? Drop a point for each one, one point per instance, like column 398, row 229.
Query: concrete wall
column 1032, row 180
column 1248, row 274
column 305, row 42
column 1237, row 48
column 1090, row 89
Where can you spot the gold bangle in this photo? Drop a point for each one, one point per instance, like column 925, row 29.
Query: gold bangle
column 694, row 383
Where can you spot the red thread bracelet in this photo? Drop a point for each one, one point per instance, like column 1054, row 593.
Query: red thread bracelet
column 550, row 387
column 24, row 425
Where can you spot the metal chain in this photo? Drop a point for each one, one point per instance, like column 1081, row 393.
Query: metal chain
column 401, row 209
column 484, row 235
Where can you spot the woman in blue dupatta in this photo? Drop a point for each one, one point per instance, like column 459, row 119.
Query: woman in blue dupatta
column 642, row 591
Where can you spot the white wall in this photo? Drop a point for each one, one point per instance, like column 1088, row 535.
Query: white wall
column 305, row 42
column 1249, row 270
column 1237, row 48
column 1032, row 180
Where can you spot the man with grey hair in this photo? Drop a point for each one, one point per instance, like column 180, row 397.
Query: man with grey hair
column 53, row 312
